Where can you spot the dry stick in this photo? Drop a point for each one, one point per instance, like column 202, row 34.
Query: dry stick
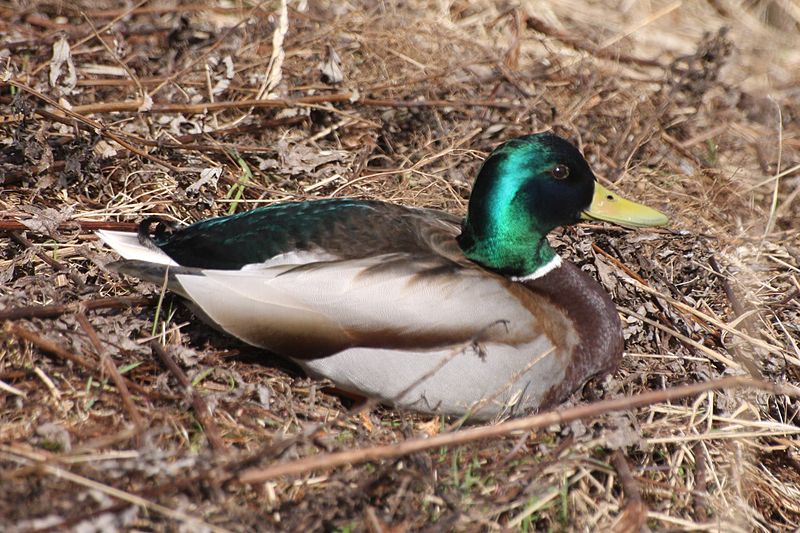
column 539, row 25
column 376, row 453
column 52, row 348
column 201, row 409
column 619, row 264
column 747, row 322
column 39, row 253
column 634, row 514
column 700, row 485
column 119, row 82
column 629, row 484
column 13, row 224
column 55, row 265
column 736, row 304
column 113, row 371
column 351, row 98
column 53, row 311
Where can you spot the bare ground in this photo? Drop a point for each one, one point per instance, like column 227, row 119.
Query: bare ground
column 110, row 112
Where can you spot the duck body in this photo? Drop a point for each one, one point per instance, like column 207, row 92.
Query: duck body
column 403, row 304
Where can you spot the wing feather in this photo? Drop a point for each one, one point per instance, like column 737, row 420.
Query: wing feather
column 315, row 312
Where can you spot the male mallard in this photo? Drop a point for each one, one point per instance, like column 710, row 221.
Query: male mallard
column 408, row 305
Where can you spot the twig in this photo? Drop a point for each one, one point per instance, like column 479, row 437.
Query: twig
column 391, row 451
column 342, row 98
column 738, row 310
column 13, row 224
column 113, row 371
column 10, row 389
column 54, row 392
column 199, row 405
column 736, row 304
column 53, row 311
column 629, row 484
column 580, row 43
column 774, row 204
column 619, row 264
column 700, row 485
column 52, row 348
column 634, row 514
column 39, row 253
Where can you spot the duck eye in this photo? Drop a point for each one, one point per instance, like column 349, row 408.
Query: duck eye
column 560, row 172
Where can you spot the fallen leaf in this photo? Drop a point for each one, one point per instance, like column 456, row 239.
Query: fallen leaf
column 45, row 220
column 331, row 67
column 61, row 55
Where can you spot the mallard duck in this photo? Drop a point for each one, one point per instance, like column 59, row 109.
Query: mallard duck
column 413, row 306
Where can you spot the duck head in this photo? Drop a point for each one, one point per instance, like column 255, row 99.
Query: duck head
column 527, row 187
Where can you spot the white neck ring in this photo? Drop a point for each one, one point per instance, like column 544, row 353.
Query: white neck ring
column 546, row 268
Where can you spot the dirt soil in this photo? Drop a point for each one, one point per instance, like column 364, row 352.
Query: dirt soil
column 119, row 411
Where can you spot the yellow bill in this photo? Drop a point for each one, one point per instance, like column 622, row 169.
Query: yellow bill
column 612, row 207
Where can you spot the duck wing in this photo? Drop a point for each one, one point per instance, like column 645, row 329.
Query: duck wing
column 325, row 229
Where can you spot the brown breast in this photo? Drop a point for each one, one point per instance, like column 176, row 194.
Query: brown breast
column 594, row 316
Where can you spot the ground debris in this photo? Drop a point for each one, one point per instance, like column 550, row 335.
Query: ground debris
column 191, row 111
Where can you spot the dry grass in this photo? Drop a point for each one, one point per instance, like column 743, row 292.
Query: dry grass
column 701, row 123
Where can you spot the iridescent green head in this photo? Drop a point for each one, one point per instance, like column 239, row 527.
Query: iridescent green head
column 527, row 187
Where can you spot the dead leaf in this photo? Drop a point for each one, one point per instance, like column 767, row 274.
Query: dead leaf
column 7, row 273
column 331, row 67
column 62, row 55
column 207, row 175
column 104, row 149
column 624, row 433
column 46, row 220
column 606, row 273
column 223, row 79
column 301, row 159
